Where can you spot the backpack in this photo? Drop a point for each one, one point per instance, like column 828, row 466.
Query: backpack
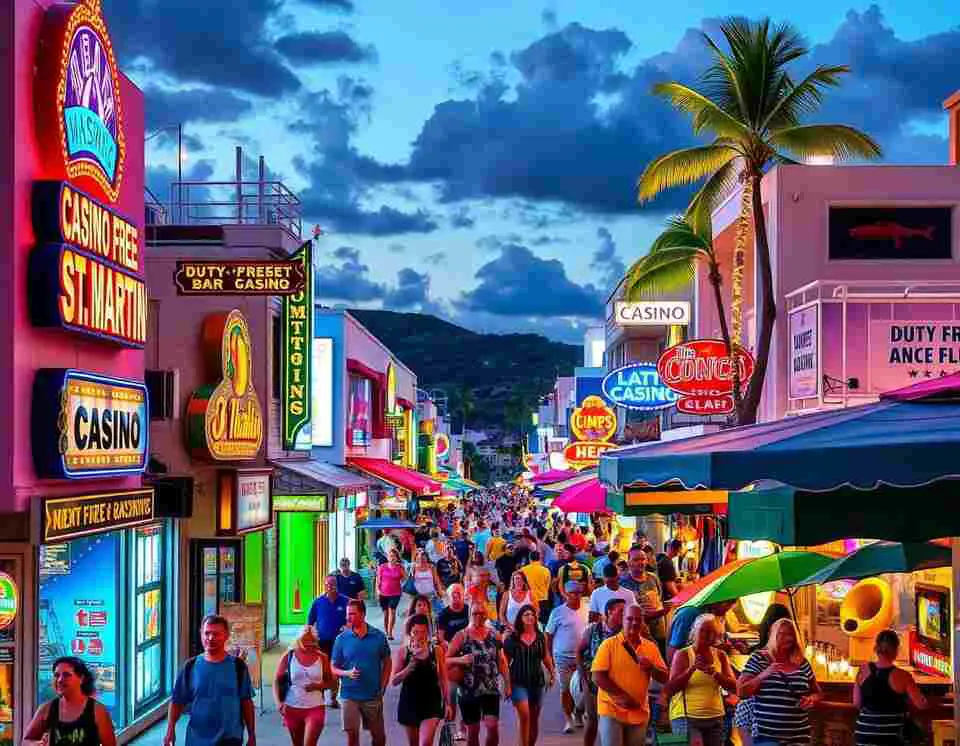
column 239, row 665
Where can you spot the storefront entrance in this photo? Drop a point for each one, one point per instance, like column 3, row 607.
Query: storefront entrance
column 304, row 543
column 214, row 579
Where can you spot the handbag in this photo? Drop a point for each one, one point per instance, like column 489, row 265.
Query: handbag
column 409, row 586
column 284, row 682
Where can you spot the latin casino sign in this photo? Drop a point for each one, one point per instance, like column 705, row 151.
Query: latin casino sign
column 86, row 272
column 225, row 420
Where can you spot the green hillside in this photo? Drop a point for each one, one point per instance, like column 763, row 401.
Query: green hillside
column 504, row 373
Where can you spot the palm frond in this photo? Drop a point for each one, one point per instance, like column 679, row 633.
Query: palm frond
column 707, row 115
column 682, row 167
column 681, row 234
column 722, row 84
column 803, row 98
column 707, row 199
column 836, row 140
column 660, row 273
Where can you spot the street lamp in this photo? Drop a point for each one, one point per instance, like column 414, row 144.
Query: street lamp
column 181, row 157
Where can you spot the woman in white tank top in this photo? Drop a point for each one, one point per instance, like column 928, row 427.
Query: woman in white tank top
column 516, row 598
column 302, row 678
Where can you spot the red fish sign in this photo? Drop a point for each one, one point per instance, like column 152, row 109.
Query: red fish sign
column 702, row 367
column 887, row 230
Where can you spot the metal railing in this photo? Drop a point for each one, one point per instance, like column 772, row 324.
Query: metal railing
column 236, row 203
column 155, row 212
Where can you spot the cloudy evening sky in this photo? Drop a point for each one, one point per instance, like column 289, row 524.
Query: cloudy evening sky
column 478, row 160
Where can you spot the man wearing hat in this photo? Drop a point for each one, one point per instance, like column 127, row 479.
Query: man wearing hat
column 564, row 631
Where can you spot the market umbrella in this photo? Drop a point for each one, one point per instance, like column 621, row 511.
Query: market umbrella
column 691, row 589
column 882, row 557
column 775, row 572
column 552, row 475
column 587, row 497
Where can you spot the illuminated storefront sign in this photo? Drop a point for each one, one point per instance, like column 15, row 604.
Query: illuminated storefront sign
column 9, row 601
column 441, row 444
column 804, row 374
column 301, row 503
column 321, row 385
column 225, row 420
column 638, row 386
column 86, row 272
column 81, row 120
column 243, row 501
column 593, row 420
column 593, row 424
column 243, row 277
column 297, row 330
column 64, row 518
column 583, row 454
column 652, row 313
column 703, row 373
column 88, row 425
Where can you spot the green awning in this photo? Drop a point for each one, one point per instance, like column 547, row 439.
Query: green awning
column 792, row 517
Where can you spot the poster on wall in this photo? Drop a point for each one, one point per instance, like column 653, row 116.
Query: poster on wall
column 890, row 233
column 904, row 353
column 77, row 617
column 804, row 353
column 361, row 411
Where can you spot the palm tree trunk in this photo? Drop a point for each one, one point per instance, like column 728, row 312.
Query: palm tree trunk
column 768, row 308
column 715, row 280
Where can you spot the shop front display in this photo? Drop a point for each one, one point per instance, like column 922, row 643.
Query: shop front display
column 124, row 625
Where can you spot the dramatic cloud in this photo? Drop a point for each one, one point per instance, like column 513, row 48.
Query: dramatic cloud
column 167, row 107
column 340, row 176
column 412, row 290
column 519, row 283
column 350, row 281
column 345, row 6
column 215, row 42
column 435, row 258
column 312, row 48
column 461, row 218
column 606, row 261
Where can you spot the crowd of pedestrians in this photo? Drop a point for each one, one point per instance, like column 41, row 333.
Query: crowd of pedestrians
column 505, row 602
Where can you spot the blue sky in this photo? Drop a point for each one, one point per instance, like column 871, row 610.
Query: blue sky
column 477, row 160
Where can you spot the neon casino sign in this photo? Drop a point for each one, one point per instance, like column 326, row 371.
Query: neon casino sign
column 638, row 386
column 78, row 56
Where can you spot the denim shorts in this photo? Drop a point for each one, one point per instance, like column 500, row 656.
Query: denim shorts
column 532, row 694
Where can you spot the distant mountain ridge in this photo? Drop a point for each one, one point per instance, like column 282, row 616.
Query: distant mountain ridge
column 505, row 372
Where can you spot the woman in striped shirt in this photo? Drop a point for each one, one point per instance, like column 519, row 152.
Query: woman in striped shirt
column 882, row 694
column 783, row 688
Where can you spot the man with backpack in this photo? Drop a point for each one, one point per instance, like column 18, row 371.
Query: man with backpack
column 216, row 687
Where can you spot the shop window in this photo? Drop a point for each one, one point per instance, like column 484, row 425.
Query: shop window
column 148, row 627
column 360, row 412
column 79, row 614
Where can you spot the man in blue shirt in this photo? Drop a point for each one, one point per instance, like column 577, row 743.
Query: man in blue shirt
column 361, row 659
column 349, row 583
column 328, row 616
column 217, row 688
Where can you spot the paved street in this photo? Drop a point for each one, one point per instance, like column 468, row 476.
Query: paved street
column 271, row 733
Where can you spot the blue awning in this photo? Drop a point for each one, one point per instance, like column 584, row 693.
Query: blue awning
column 905, row 440
column 379, row 524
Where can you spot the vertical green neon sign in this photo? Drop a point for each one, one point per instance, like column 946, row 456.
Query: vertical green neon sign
column 297, row 335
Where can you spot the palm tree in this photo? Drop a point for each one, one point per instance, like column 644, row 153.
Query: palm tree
column 753, row 108
column 669, row 266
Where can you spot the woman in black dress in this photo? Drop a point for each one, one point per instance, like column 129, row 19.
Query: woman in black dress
column 421, row 671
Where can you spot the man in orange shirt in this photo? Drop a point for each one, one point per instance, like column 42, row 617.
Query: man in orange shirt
column 622, row 669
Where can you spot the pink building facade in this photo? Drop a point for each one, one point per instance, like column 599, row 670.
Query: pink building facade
column 866, row 269
column 75, row 511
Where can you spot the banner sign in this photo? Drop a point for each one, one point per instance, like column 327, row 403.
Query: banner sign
column 86, row 275
column 638, row 386
column 297, row 330
column 81, row 119
column 885, row 233
column 9, row 601
column 88, row 425
column 240, row 277
column 804, row 374
column 702, row 372
column 225, row 420
column 441, row 443
column 905, row 353
column 652, row 313
column 302, row 503
column 65, row 518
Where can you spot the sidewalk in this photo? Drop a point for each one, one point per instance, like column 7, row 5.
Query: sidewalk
column 270, row 731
